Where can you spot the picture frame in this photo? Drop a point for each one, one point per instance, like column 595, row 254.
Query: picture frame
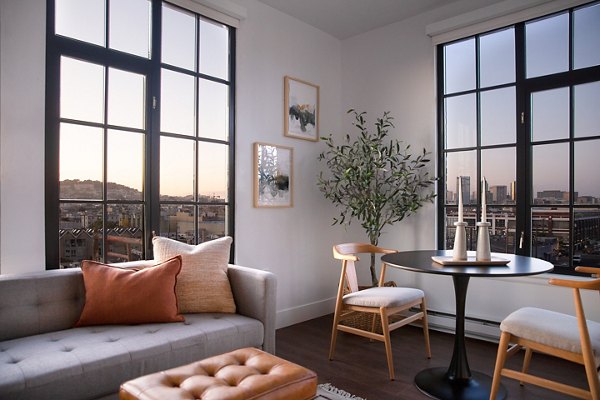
column 273, row 175
column 301, row 109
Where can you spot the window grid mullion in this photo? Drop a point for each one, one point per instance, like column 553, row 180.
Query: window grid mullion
column 196, row 131
column 478, row 172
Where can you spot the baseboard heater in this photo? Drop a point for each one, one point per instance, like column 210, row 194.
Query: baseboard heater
column 477, row 328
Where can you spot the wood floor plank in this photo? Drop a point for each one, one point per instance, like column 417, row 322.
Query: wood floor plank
column 359, row 365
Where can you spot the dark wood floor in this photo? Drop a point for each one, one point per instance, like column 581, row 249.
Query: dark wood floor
column 359, row 366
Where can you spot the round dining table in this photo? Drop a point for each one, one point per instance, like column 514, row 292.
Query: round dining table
column 457, row 381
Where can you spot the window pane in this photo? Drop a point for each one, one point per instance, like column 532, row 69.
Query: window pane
column 124, row 234
column 461, row 121
column 502, row 229
column 550, row 235
column 177, row 222
column 80, row 233
column 459, row 66
column 551, row 173
column 126, row 98
column 212, row 222
column 498, row 116
column 213, row 169
column 176, row 169
column 80, row 162
column 586, row 238
column 214, row 49
column 178, row 37
column 586, row 115
column 213, row 110
column 462, row 164
column 497, row 58
column 586, row 36
column 470, row 229
column 130, row 26
column 124, row 172
column 587, row 166
column 498, row 166
column 550, row 114
column 82, row 20
column 547, row 45
column 81, row 90
column 177, row 103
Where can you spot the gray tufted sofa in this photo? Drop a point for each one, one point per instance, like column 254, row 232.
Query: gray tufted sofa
column 43, row 357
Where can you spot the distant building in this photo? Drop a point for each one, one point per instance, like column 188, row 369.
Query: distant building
column 499, row 194
column 587, row 200
column 553, row 197
column 513, row 191
column 466, row 189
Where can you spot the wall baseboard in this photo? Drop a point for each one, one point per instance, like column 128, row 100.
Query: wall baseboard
column 439, row 321
column 295, row 315
column 474, row 327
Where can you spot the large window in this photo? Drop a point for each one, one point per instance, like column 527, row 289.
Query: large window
column 139, row 128
column 519, row 108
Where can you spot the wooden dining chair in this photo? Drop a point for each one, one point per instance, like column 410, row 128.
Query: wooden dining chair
column 382, row 302
column 572, row 338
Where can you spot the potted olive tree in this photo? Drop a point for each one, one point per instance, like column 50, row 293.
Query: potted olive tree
column 373, row 179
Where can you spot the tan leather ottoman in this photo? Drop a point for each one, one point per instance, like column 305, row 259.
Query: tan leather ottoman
column 239, row 375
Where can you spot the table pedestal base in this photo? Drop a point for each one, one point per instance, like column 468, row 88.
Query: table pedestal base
column 436, row 384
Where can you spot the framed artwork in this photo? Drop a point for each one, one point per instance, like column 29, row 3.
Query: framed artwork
column 273, row 175
column 301, row 109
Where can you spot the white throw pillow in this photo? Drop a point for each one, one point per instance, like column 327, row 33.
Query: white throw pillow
column 202, row 284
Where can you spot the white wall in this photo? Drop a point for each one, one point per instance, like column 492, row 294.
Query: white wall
column 393, row 69
column 294, row 243
column 22, row 104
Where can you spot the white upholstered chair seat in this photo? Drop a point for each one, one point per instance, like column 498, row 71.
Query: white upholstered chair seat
column 384, row 297
column 551, row 328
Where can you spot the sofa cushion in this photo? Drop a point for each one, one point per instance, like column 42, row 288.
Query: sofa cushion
column 202, row 285
column 116, row 295
column 40, row 302
column 90, row 362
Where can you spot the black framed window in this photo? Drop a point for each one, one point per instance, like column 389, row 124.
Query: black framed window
column 516, row 107
column 139, row 128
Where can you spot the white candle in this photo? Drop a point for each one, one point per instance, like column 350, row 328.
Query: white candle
column 460, row 201
column 483, row 205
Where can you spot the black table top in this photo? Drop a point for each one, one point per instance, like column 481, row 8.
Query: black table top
column 420, row 261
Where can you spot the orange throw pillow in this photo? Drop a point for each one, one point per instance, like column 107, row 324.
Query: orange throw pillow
column 116, row 295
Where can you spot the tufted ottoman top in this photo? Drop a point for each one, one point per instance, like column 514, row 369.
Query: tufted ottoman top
column 239, row 375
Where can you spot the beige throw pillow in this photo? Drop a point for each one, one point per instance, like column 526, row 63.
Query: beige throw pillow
column 202, row 284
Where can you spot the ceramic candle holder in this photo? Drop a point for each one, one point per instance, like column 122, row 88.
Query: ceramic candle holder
column 459, row 252
column 483, row 242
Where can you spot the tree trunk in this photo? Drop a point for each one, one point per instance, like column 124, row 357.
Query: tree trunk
column 374, row 280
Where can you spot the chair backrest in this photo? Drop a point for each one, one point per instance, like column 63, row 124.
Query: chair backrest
column 347, row 252
column 584, row 334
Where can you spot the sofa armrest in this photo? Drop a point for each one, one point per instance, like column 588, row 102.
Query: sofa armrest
column 255, row 293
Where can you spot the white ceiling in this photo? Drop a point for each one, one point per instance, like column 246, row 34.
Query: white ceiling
column 346, row 18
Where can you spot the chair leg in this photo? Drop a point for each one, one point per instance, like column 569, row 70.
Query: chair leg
column 526, row 363
column 373, row 323
column 388, row 343
column 334, row 331
column 425, row 328
column 500, row 360
column 592, row 375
